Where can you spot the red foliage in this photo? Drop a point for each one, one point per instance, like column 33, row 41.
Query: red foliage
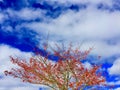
column 67, row 73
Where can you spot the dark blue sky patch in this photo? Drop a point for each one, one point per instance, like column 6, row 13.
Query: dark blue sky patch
column 1, row 5
column 102, row 6
column 51, row 5
column 14, row 4
column 105, row 66
column 50, row 10
column 25, row 40
column 53, row 10
column 78, row 7
column 116, row 7
column 44, row 6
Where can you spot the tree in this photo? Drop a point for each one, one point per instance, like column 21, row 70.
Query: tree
column 66, row 73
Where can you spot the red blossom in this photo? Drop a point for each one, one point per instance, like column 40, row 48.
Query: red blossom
column 67, row 73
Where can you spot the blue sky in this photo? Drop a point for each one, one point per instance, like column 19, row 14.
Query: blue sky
column 25, row 24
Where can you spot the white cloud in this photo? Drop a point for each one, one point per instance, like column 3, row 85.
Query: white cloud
column 21, row 88
column 26, row 13
column 115, row 69
column 117, row 89
column 5, row 53
column 101, row 48
column 87, row 65
column 15, row 84
column 8, row 82
column 29, row 14
column 2, row 17
column 91, row 25
column 109, row 2
column 114, row 83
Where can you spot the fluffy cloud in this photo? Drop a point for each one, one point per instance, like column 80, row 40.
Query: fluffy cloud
column 2, row 17
column 22, row 88
column 109, row 2
column 114, row 83
column 87, row 65
column 117, row 89
column 7, row 51
column 115, row 69
column 96, row 27
column 86, row 25
column 15, row 84
column 8, row 82
column 99, row 28
column 102, row 48
column 26, row 13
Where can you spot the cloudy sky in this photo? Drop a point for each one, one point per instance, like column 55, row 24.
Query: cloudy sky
column 25, row 24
